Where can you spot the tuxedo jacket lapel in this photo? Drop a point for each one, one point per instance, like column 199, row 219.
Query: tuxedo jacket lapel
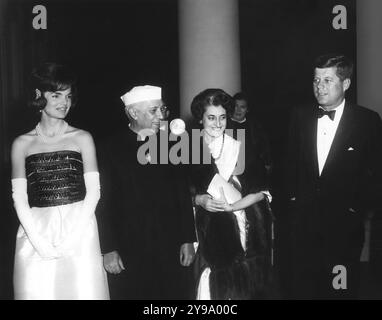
column 311, row 136
column 341, row 137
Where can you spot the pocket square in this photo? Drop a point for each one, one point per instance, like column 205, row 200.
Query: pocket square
column 350, row 149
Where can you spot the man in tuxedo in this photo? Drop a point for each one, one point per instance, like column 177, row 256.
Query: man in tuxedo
column 145, row 213
column 333, row 178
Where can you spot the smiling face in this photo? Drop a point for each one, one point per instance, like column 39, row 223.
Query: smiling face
column 58, row 103
column 328, row 88
column 214, row 121
column 147, row 115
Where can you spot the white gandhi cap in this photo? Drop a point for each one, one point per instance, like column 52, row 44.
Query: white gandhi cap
column 142, row 93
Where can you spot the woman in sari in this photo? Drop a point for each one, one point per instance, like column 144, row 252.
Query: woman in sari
column 230, row 209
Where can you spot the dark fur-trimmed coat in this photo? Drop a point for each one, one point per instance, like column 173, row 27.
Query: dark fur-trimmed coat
column 235, row 274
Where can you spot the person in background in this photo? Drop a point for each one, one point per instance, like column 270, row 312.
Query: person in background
column 257, row 145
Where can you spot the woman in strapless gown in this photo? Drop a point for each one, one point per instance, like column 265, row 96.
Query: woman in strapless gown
column 55, row 188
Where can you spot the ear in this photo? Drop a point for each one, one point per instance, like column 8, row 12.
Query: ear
column 38, row 93
column 132, row 113
column 346, row 84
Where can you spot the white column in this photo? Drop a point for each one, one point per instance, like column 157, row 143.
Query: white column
column 209, row 48
column 369, row 54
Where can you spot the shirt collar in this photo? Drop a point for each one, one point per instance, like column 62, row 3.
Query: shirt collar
column 339, row 110
column 242, row 121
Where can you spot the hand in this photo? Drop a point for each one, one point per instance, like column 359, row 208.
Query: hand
column 209, row 204
column 45, row 249
column 187, row 254
column 227, row 207
column 113, row 262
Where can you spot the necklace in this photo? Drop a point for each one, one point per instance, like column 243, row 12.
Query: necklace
column 45, row 138
column 221, row 149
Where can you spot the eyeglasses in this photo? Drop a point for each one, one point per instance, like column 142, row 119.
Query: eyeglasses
column 162, row 109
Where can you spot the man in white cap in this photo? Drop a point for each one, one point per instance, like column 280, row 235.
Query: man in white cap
column 144, row 108
column 146, row 217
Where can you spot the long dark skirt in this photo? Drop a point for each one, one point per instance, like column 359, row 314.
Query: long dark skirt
column 236, row 274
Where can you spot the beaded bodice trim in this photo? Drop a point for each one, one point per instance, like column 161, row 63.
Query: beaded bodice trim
column 55, row 178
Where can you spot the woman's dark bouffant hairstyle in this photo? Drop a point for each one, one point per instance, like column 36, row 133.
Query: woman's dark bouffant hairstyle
column 51, row 77
column 211, row 97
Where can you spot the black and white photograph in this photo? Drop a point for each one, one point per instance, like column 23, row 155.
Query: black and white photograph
column 190, row 151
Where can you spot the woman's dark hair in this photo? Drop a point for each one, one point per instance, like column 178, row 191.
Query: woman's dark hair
column 51, row 77
column 211, row 97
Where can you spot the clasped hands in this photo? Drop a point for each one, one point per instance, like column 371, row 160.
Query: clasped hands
column 49, row 251
column 64, row 248
column 214, row 205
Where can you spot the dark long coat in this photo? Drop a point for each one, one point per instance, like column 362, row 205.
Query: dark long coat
column 145, row 213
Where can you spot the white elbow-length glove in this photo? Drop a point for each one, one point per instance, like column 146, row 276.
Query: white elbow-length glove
column 20, row 199
column 89, row 205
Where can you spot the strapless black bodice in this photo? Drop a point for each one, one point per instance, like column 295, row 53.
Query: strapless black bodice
column 55, row 178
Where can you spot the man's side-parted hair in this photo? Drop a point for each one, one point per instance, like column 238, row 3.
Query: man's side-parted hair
column 211, row 97
column 343, row 64
column 51, row 77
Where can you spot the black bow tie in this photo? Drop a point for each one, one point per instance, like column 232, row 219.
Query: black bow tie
column 322, row 112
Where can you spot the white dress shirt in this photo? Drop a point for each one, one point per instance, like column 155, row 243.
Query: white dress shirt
column 241, row 121
column 326, row 130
